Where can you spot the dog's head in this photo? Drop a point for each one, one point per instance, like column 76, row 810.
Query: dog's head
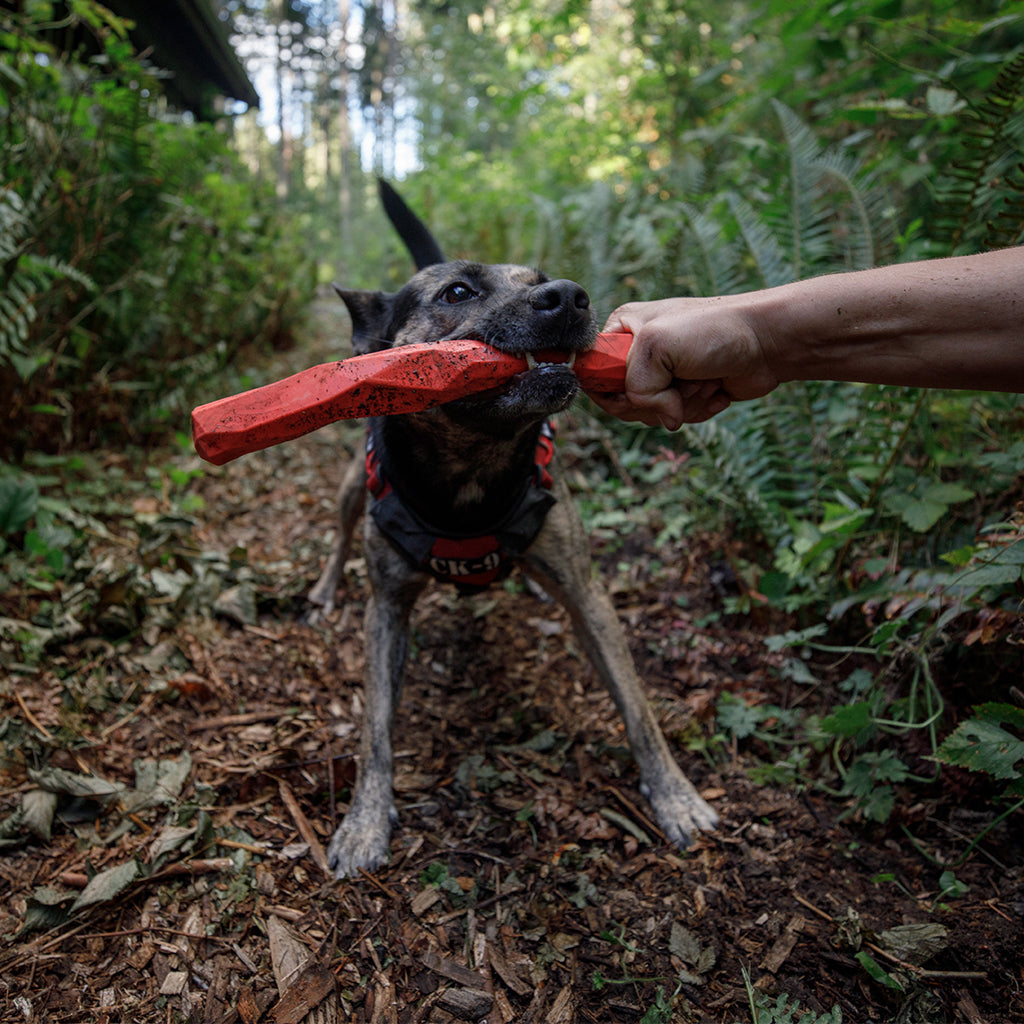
column 513, row 308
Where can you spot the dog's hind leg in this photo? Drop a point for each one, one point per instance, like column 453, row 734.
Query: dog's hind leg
column 351, row 501
column 560, row 560
column 361, row 841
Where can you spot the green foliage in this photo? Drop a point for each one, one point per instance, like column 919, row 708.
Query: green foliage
column 987, row 186
column 990, row 741
column 783, row 1011
column 876, row 972
column 24, row 275
column 137, row 256
column 19, row 500
column 36, row 533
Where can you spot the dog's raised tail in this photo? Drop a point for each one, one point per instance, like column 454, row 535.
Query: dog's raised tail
column 414, row 233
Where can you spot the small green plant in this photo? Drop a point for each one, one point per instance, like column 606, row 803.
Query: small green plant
column 461, row 892
column 34, row 540
column 876, row 972
column 991, row 741
column 782, row 1011
column 660, row 1011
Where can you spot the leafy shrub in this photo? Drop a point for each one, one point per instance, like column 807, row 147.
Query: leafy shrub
column 888, row 511
column 139, row 255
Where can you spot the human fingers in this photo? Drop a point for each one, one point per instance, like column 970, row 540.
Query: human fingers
column 620, row 406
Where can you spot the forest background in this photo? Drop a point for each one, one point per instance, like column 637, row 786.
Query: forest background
column 148, row 262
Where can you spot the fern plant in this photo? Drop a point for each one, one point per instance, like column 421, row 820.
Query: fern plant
column 983, row 204
column 25, row 276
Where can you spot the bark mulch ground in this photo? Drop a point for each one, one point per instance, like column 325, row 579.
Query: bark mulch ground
column 527, row 882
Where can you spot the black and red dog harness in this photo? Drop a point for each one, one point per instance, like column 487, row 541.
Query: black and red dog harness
column 471, row 563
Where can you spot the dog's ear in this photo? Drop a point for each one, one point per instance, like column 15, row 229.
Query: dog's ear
column 371, row 317
column 414, row 233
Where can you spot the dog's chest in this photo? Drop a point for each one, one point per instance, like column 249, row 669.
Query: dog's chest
column 472, row 559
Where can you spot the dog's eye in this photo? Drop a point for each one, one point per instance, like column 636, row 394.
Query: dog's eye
column 457, row 292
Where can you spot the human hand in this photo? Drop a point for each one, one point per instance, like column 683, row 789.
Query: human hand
column 690, row 359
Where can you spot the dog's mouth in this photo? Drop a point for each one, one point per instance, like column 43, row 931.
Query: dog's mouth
column 545, row 386
column 533, row 362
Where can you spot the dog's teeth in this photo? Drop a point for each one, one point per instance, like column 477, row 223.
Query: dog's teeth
column 571, row 360
column 530, row 361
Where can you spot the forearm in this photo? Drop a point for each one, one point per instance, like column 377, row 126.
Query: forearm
column 956, row 323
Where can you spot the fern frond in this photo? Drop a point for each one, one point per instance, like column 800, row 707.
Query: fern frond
column 808, row 223
column 773, row 265
column 713, row 263
column 25, row 276
column 986, row 184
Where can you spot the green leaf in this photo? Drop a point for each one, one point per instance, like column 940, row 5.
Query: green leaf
column 61, row 781
column 919, row 515
column 107, row 885
column 848, row 721
column 987, row 575
column 951, row 885
column 19, row 499
column 985, row 743
column 870, row 965
column 737, row 717
column 922, row 510
column 158, row 782
column 949, row 493
column 961, row 556
column 775, row 586
column 47, row 908
column 877, row 805
column 1012, row 554
column 795, row 638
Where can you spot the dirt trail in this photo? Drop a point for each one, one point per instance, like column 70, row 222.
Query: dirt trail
column 526, row 883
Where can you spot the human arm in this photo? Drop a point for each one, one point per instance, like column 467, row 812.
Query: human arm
column 950, row 323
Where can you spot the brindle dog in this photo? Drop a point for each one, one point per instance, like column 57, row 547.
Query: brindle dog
column 460, row 471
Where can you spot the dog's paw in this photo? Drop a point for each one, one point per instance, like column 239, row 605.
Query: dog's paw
column 681, row 812
column 361, row 841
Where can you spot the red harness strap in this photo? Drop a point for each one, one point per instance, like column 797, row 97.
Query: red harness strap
column 471, row 563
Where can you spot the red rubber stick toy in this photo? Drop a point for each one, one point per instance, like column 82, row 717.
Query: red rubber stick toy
column 395, row 380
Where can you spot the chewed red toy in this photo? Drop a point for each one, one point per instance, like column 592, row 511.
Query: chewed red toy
column 396, row 380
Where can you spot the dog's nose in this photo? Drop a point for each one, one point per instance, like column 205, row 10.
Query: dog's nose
column 565, row 300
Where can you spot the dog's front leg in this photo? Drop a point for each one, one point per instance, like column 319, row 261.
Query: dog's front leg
column 560, row 559
column 351, row 500
column 361, row 841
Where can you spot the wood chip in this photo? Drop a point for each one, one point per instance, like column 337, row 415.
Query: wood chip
column 307, row 998
column 562, row 1010
column 784, row 944
column 454, row 972
column 316, row 849
column 503, row 1008
column 466, row 1003
column 967, row 1006
column 424, row 900
column 174, row 983
column 384, row 1009
column 288, row 954
column 248, row 1009
column 505, row 972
